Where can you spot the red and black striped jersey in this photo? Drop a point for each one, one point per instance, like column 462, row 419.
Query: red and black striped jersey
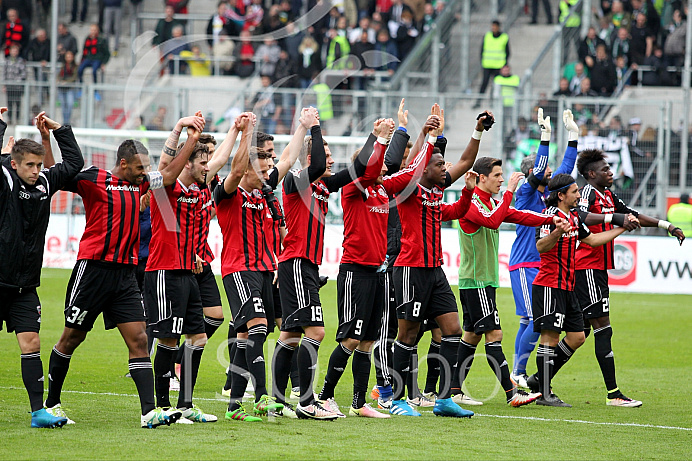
column 174, row 223
column 559, row 263
column 272, row 229
column 241, row 216
column 593, row 201
column 112, row 215
column 366, row 211
column 206, row 214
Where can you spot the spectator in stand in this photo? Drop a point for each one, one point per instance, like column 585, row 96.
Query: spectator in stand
column 386, row 57
column 196, row 61
column 494, row 55
column 348, row 9
column 66, row 41
column 642, row 41
column 382, row 7
column 285, row 12
column 564, row 88
column 395, row 15
column 271, row 21
column 618, row 17
column 267, row 54
column 354, row 36
column 254, row 13
column 14, row 72
column 76, row 11
column 338, row 46
column 164, row 27
column 43, row 13
column 658, row 76
column 674, row 23
column 267, row 106
column 179, row 6
column 406, row 35
column 429, row 16
column 66, row 93
column 614, row 128
column 244, row 54
column 586, row 92
column 223, row 50
column 172, row 48
column 647, row 8
column 587, row 48
column 327, row 23
column 95, row 53
column 674, row 48
column 621, row 69
column 112, row 16
column 579, row 76
column 218, row 23
column 16, row 33
column 358, row 49
column 602, row 71
column 292, row 41
column 621, row 45
column 38, row 53
column 309, row 62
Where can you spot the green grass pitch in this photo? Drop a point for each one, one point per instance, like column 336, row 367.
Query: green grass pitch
column 650, row 342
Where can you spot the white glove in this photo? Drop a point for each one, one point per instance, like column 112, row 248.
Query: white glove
column 544, row 123
column 570, row 125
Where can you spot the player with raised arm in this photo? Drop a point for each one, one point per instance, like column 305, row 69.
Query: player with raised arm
column 421, row 288
column 593, row 263
column 104, row 277
column 360, row 287
column 26, row 190
column 554, row 301
column 171, row 293
column 305, row 198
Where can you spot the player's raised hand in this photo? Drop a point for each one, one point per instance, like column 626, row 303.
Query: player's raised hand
column 432, row 123
column 437, row 112
column 8, row 147
column 402, row 114
column 441, row 129
column 2, row 111
column 570, row 125
column 46, row 122
column 388, row 129
column 144, row 201
column 377, row 127
column 312, row 117
column 562, row 224
column 544, row 124
column 244, row 124
column 677, row 233
column 194, row 121
column 514, row 181
column 471, row 179
column 482, row 117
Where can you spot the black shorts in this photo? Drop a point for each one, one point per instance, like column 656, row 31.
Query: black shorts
column 361, row 296
column 20, row 310
column 299, row 286
column 429, row 325
column 556, row 310
column 208, row 289
column 422, row 293
column 97, row 287
column 141, row 269
column 173, row 302
column 250, row 297
column 480, row 309
column 591, row 287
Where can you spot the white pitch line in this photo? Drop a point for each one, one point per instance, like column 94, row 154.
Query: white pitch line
column 528, row 418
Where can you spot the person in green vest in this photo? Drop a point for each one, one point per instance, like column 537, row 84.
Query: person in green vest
column 507, row 85
column 479, row 273
column 570, row 33
column 339, row 46
column 494, row 55
column 680, row 214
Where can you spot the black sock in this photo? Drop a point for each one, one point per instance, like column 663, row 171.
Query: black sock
column 401, row 363
column 281, row 368
column 143, row 376
column 178, row 359
column 545, row 356
column 449, row 354
column 307, row 361
column 238, row 374
column 498, row 363
column 433, row 367
column 32, row 375
column 57, row 370
column 162, row 373
column 337, row 364
column 150, row 342
column 295, row 375
column 377, row 352
column 604, row 354
column 412, row 381
column 361, row 372
column 563, row 354
column 465, row 356
column 255, row 359
column 211, row 324
column 188, row 374
column 231, row 355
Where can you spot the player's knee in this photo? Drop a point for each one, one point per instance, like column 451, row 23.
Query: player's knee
column 316, row 333
column 471, row 338
column 365, row 346
column 29, row 342
column 138, row 343
column 70, row 340
column 350, row 343
column 199, row 340
column 493, row 336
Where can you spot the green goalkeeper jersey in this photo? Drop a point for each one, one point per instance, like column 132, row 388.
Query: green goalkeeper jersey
column 479, row 266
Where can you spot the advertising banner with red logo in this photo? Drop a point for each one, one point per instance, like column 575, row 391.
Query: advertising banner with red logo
column 642, row 264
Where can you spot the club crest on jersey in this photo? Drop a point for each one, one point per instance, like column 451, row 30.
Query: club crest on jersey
column 584, row 201
column 545, row 231
column 41, row 188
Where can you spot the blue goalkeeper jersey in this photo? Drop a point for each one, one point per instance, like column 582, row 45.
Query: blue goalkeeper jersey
column 524, row 252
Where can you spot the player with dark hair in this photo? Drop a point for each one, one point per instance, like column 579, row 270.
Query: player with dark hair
column 554, row 301
column 593, row 263
column 305, row 198
column 171, row 293
column 26, row 191
column 524, row 259
column 248, row 262
column 421, row 288
column 479, row 275
column 104, row 280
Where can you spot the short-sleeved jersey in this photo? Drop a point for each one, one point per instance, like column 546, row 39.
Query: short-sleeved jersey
column 593, row 201
column 241, row 216
column 174, row 222
column 559, row 263
column 306, row 212
column 112, row 215
column 205, row 215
